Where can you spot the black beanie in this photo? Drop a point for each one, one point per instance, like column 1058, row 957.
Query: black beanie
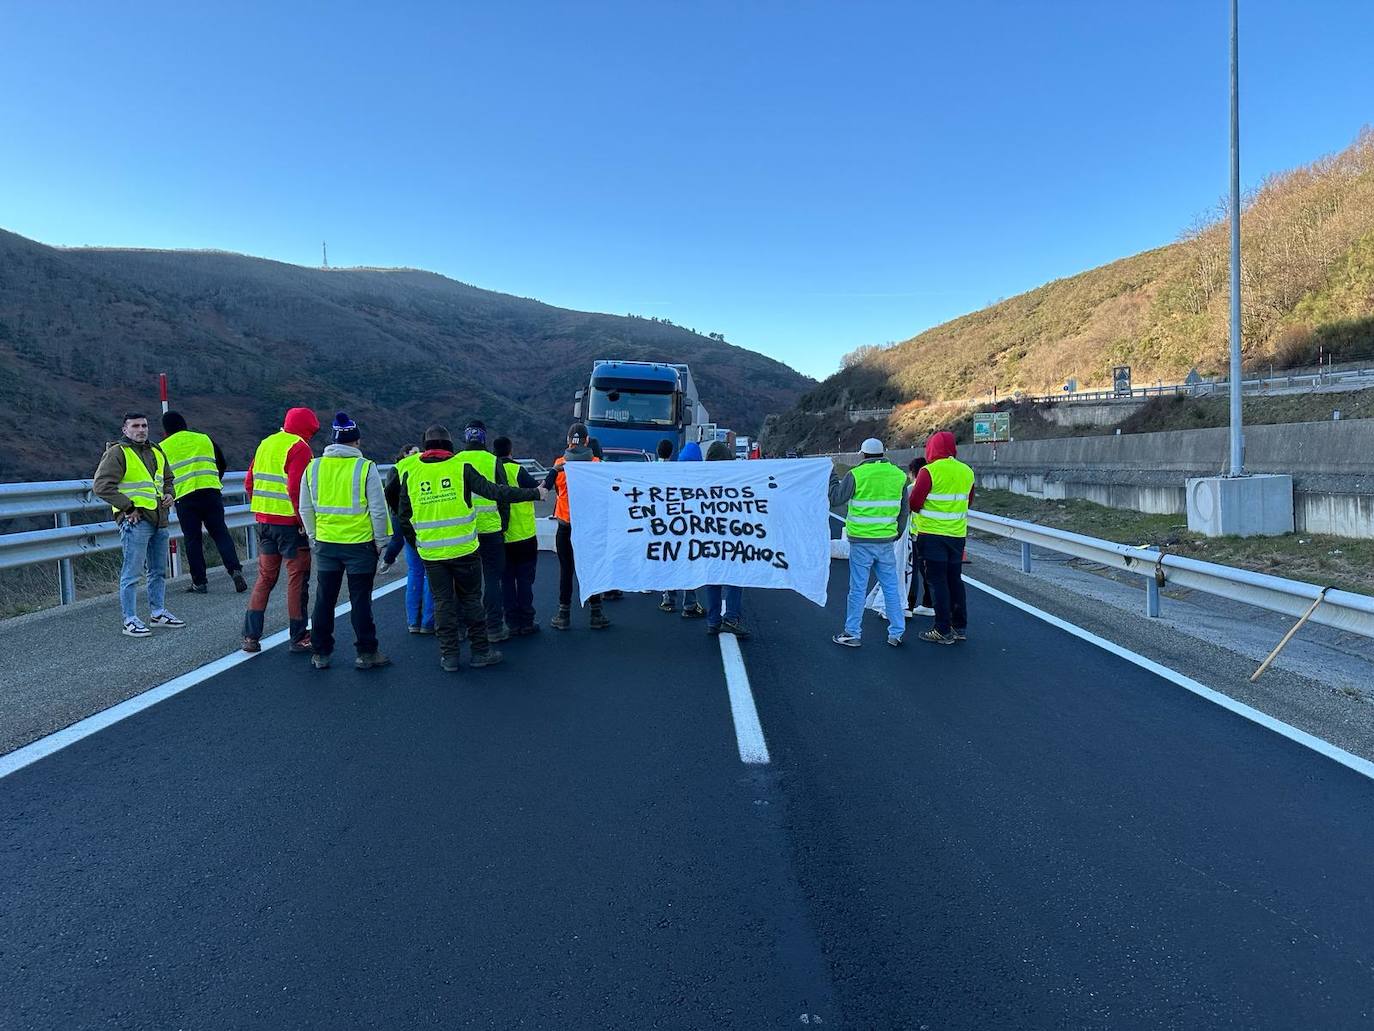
column 173, row 422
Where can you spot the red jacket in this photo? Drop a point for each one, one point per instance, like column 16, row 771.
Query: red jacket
column 301, row 422
column 940, row 445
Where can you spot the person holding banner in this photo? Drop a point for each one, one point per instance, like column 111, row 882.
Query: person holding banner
column 691, row 608
column 874, row 493
column 723, row 602
column 578, row 451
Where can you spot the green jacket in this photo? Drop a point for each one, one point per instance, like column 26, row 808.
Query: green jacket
column 110, row 472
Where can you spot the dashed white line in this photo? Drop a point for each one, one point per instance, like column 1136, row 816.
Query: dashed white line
column 1361, row 766
column 748, row 731
column 58, row 740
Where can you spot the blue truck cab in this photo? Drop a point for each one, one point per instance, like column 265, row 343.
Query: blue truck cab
column 634, row 405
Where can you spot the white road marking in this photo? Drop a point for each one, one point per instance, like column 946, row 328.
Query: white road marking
column 60, row 739
column 1302, row 737
column 748, row 731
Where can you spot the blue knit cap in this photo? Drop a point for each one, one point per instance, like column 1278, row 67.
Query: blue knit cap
column 475, row 432
column 345, row 429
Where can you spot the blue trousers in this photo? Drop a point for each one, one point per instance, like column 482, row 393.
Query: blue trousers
column 882, row 560
column 715, row 595
column 419, row 597
column 145, row 546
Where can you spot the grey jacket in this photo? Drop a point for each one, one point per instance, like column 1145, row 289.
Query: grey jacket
column 372, row 493
column 842, row 489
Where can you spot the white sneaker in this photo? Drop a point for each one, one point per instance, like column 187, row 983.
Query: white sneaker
column 846, row 640
column 165, row 618
column 923, row 610
column 135, row 628
column 895, row 641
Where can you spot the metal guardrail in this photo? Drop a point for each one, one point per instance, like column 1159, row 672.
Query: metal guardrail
column 1260, row 385
column 1341, row 610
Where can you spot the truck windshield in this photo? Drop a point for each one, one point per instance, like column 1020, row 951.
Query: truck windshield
column 610, row 404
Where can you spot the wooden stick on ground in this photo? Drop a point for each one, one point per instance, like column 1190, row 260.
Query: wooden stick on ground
column 1289, row 636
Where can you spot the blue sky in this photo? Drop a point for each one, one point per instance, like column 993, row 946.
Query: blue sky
column 804, row 177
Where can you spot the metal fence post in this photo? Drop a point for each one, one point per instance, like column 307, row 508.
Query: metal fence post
column 250, row 542
column 1025, row 557
column 66, row 576
column 1151, row 597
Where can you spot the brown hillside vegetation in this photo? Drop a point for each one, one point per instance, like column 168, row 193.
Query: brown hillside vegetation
column 1307, row 258
column 84, row 333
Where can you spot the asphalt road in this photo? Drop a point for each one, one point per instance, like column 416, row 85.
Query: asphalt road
column 1023, row 831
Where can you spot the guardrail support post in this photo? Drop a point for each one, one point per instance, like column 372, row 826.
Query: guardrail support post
column 250, row 542
column 1025, row 557
column 1151, row 597
column 66, row 576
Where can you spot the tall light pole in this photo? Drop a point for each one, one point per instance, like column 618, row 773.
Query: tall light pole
column 1237, row 437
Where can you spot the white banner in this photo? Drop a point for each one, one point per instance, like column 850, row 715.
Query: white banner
column 664, row 526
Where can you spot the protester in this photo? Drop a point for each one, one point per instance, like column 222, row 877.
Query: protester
column 723, row 603
column 595, row 446
column 665, row 450
column 135, row 479
column 273, row 485
column 918, row 584
column 940, row 498
column 438, row 517
column 419, row 597
column 490, row 529
column 578, row 451
column 691, row 609
column 522, row 547
column 343, row 511
column 874, row 493
column 197, row 464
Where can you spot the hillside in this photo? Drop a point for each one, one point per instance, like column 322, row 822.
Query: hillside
column 1307, row 266
column 84, row 333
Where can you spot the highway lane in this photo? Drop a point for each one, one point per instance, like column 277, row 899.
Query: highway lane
column 1021, row 831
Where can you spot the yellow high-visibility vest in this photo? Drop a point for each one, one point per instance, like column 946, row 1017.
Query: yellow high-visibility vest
column 192, row 459
column 521, row 525
column 877, row 502
column 270, row 493
column 338, row 491
column 445, row 524
column 488, row 515
column 141, row 487
column 945, row 511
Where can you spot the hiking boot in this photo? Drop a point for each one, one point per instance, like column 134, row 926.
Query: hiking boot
column 668, row 604
column 960, row 635
column 240, row 584
column 935, row 637
column 250, row 644
column 320, row 661
column 371, row 660
column 501, row 633
column 598, row 620
column 735, row 626
column 525, row 631
column 490, row 657
column 693, row 611
column 300, row 647
column 198, row 589
column 564, row 618
column 448, row 663
column 135, row 628
column 712, row 629
column 846, row 640
column 166, row 619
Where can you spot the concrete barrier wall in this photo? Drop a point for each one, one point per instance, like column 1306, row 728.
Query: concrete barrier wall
column 1332, row 465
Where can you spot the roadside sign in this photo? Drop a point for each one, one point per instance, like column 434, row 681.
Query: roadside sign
column 991, row 427
column 1121, row 380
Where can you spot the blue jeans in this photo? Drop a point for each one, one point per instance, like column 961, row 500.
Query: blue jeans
column 144, row 545
column 732, row 597
column 882, row 559
column 419, row 597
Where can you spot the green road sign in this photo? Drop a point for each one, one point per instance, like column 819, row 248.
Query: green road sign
column 991, row 427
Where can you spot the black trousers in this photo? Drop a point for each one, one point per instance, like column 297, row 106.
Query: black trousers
column 457, row 587
column 944, row 559
column 567, row 567
column 517, row 583
column 918, row 585
column 334, row 562
column 492, row 548
column 205, row 508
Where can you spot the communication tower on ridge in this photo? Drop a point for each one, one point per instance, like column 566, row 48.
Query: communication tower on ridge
column 324, row 249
